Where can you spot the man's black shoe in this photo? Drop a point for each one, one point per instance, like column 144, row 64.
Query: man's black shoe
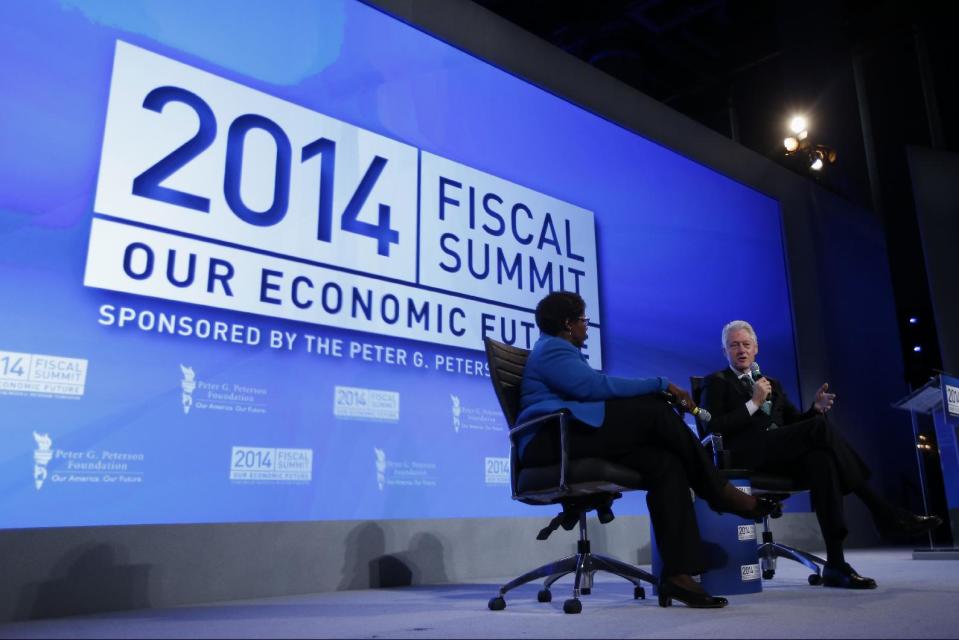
column 910, row 524
column 845, row 577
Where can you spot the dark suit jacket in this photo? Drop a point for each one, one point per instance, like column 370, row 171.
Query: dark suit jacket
column 725, row 397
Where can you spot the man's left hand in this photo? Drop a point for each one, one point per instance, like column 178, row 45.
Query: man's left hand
column 824, row 399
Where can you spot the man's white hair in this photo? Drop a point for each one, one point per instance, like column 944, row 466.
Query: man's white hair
column 737, row 325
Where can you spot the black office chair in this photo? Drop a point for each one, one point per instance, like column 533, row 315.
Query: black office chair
column 780, row 486
column 579, row 485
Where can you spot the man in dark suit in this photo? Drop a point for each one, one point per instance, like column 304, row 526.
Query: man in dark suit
column 766, row 432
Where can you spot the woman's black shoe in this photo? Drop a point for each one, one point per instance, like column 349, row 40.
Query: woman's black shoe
column 669, row 592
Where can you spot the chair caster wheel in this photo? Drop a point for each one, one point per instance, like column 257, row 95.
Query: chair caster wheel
column 768, row 574
column 639, row 593
column 497, row 603
column 544, row 595
column 573, row 605
column 814, row 579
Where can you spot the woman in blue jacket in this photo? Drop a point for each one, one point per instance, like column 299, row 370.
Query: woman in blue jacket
column 629, row 421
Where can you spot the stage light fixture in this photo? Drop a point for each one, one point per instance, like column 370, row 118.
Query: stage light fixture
column 913, row 320
column 816, row 156
column 826, row 153
column 917, row 349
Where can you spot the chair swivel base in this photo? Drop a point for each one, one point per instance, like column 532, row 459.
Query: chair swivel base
column 584, row 565
column 769, row 551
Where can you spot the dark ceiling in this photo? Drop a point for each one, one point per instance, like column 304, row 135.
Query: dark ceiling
column 873, row 78
column 736, row 64
column 667, row 49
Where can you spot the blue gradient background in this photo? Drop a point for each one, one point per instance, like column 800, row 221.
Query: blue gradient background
column 682, row 250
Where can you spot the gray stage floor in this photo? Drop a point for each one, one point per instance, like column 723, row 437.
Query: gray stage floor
column 915, row 599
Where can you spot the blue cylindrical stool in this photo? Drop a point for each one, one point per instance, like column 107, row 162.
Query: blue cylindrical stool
column 730, row 549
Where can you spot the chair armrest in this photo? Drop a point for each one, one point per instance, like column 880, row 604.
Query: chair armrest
column 721, row 456
column 714, row 440
column 527, row 427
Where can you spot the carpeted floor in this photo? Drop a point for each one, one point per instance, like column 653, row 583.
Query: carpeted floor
column 915, row 599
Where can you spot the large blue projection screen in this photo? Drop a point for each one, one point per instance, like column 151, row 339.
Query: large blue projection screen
column 250, row 250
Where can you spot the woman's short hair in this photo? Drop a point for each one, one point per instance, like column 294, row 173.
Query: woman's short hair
column 737, row 325
column 556, row 309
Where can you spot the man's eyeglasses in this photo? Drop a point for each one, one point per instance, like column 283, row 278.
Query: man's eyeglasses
column 583, row 319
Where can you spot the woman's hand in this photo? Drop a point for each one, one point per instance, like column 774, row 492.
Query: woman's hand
column 683, row 399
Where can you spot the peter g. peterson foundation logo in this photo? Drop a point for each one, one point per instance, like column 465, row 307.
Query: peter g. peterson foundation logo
column 466, row 418
column 380, row 463
column 41, row 457
column 92, row 466
column 457, row 410
column 402, row 473
column 216, row 395
column 189, row 386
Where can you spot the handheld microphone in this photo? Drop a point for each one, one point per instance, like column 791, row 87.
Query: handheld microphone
column 702, row 414
column 758, row 375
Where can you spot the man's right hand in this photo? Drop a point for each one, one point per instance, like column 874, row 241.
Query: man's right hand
column 761, row 391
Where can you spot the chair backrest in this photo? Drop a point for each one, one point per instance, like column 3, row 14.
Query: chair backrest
column 506, row 365
column 696, row 386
